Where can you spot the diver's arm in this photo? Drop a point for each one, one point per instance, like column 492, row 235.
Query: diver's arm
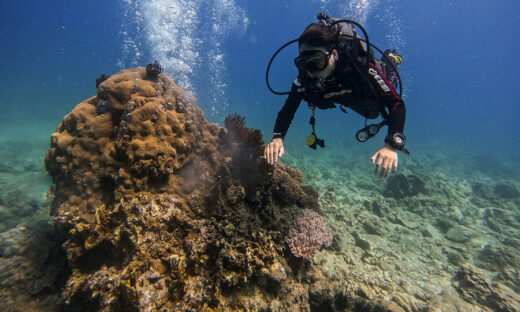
column 275, row 149
column 396, row 118
column 286, row 114
column 386, row 159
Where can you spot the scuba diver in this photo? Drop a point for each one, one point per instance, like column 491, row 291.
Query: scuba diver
column 337, row 66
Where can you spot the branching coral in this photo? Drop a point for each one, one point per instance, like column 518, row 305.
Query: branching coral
column 239, row 133
column 244, row 145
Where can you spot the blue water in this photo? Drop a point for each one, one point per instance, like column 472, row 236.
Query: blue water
column 460, row 70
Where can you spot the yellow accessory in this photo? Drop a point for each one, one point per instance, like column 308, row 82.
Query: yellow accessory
column 398, row 58
column 311, row 139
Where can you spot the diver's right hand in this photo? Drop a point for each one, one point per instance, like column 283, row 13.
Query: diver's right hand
column 274, row 150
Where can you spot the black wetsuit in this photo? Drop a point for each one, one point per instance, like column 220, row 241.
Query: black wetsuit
column 347, row 86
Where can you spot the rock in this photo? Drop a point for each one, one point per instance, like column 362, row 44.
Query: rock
column 460, row 234
column 512, row 242
column 497, row 258
column 414, row 205
column 401, row 186
column 509, row 277
column 444, row 225
column 426, row 233
column 360, row 242
column 456, row 258
column 380, row 208
column 483, row 190
column 476, row 288
column 374, row 227
column 503, row 216
column 31, row 264
column 494, row 225
column 506, row 190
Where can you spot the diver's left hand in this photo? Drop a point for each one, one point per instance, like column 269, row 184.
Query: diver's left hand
column 386, row 161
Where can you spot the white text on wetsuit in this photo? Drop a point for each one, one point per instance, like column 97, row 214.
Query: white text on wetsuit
column 380, row 80
column 341, row 92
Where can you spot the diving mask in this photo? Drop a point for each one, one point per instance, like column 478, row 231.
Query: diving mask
column 312, row 61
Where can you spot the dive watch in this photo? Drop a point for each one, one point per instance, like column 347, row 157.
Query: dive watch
column 397, row 141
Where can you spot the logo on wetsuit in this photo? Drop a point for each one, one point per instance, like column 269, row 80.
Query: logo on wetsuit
column 380, row 80
column 341, row 92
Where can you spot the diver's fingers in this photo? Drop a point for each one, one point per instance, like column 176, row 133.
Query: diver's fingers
column 276, row 150
column 273, row 153
column 282, row 151
column 385, row 168
column 389, row 168
column 373, row 158
column 269, row 152
column 379, row 161
column 394, row 165
column 377, row 168
column 375, row 161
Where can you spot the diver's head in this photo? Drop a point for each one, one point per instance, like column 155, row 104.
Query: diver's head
column 318, row 55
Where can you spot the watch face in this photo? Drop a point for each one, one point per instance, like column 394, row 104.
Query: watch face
column 399, row 139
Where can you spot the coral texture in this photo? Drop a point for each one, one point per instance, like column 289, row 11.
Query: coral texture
column 160, row 210
column 308, row 233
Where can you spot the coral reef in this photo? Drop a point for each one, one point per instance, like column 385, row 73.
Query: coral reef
column 160, row 210
column 308, row 233
column 406, row 248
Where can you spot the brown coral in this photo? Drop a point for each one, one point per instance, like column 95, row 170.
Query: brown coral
column 159, row 209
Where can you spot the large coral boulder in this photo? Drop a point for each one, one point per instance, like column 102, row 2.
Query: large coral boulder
column 160, row 210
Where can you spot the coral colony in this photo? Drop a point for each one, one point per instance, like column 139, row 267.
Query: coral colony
column 160, row 210
column 308, row 233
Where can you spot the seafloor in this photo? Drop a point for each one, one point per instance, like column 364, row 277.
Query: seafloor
column 442, row 234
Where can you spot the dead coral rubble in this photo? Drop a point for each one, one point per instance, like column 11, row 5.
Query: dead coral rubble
column 160, row 210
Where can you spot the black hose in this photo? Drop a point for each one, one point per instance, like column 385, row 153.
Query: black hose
column 269, row 66
column 349, row 36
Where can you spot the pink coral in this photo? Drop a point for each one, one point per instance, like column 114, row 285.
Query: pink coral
column 307, row 234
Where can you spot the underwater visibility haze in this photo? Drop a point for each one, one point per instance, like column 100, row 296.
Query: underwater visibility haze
column 146, row 192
